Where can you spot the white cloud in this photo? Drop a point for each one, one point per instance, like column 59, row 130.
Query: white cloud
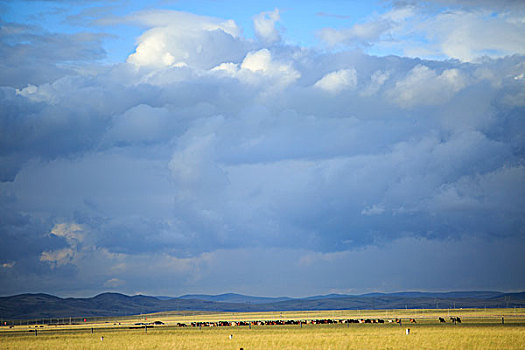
column 377, row 80
column 358, row 34
column 58, row 257
column 261, row 63
column 73, row 233
column 375, row 209
column 229, row 68
column 42, row 93
column 179, row 38
column 337, row 81
column 8, row 265
column 152, row 50
column 114, row 283
column 468, row 36
column 465, row 33
column 184, row 21
column 376, row 29
column 264, row 26
column 423, row 86
column 260, row 68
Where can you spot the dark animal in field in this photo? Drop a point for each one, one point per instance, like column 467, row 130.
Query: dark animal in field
column 442, row 320
column 412, row 320
column 455, row 319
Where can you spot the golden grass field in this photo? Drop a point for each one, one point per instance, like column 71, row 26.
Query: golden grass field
column 480, row 329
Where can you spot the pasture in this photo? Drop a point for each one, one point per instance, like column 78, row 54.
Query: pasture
column 479, row 329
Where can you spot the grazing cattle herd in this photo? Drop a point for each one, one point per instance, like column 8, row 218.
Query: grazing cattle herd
column 277, row 322
column 301, row 322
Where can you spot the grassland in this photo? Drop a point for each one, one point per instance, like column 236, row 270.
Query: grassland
column 480, row 329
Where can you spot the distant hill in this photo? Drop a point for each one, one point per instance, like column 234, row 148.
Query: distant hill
column 234, row 298
column 38, row 306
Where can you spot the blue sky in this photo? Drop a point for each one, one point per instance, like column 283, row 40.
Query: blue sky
column 266, row 148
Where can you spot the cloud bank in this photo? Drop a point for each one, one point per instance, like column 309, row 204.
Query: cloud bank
column 212, row 162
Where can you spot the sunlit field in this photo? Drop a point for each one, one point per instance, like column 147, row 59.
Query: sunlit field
column 479, row 329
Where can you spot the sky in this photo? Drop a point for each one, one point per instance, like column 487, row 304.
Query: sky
column 269, row 148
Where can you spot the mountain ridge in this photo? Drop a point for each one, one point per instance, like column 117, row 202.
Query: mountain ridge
column 41, row 305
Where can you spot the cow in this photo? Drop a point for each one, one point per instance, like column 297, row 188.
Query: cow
column 455, row 320
column 442, row 320
column 413, row 320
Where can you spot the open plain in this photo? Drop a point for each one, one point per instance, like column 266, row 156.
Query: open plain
column 479, row 329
